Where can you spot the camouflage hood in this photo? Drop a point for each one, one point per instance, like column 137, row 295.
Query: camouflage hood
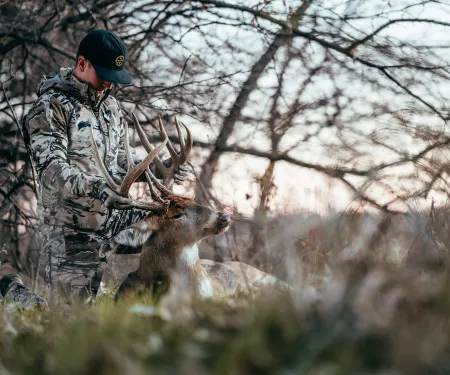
column 57, row 131
column 66, row 82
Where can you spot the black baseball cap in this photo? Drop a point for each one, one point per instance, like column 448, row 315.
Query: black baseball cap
column 107, row 54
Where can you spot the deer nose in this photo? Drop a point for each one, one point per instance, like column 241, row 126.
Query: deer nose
column 226, row 219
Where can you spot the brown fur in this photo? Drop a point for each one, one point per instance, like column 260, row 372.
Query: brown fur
column 173, row 234
column 159, row 256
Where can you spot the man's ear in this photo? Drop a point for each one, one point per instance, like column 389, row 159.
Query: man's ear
column 135, row 235
column 81, row 63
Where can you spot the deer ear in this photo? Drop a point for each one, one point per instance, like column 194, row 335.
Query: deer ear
column 135, row 235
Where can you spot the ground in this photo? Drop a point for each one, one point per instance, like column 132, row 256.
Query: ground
column 367, row 301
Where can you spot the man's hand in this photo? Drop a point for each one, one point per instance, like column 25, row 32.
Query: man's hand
column 181, row 173
column 113, row 200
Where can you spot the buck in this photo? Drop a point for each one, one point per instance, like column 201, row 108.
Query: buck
column 170, row 236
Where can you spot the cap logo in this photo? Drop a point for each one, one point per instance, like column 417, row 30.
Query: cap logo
column 120, row 60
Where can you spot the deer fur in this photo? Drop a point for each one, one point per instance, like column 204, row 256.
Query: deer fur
column 170, row 244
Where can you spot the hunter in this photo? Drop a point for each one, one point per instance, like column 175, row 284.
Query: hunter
column 77, row 210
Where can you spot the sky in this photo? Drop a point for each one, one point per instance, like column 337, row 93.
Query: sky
column 299, row 189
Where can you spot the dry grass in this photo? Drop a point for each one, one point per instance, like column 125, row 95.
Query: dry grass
column 372, row 298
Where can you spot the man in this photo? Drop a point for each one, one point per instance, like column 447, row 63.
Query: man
column 77, row 210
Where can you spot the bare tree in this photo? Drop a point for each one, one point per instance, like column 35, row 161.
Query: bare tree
column 352, row 90
column 369, row 77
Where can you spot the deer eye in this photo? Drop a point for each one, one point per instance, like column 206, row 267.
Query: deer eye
column 177, row 216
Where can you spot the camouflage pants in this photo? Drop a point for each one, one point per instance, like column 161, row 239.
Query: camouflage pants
column 75, row 260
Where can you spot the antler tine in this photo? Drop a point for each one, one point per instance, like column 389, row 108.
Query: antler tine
column 163, row 188
column 153, row 192
column 135, row 171
column 180, row 157
column 128, row 153
column 180, row 134
column 188, row 143
column 147, row 145
column 152, row 206
column 167, row 173
column 100, row 163
column 151, row 179
column 155, row 185
column 185, row 145
column 132, row 174
column 173, row 153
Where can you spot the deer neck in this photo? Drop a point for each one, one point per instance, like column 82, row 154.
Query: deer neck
column 160, row 259
column 189, row 261
column 157, row 259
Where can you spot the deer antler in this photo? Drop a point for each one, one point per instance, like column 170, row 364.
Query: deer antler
column 167, row 173
column 133, row 171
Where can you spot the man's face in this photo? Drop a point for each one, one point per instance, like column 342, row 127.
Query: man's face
column 87, row 73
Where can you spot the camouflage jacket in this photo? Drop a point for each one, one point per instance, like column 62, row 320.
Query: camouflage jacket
column 56, row 132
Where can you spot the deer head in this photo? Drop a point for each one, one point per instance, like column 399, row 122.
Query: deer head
column 170, row 236
column 183, row 224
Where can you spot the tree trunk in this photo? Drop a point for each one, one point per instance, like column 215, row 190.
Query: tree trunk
column 257, row 253
column 209, row 167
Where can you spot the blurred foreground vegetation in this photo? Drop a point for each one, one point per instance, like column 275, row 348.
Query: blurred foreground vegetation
column 365, row 318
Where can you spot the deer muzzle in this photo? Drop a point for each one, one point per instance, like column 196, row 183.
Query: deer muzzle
column 223, row 222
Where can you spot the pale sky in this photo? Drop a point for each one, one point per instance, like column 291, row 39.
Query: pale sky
column 299, row 188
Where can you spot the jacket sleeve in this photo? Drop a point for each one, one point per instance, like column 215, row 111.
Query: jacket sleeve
column 46, row 124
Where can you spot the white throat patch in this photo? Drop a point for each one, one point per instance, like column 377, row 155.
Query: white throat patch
column 189, row 255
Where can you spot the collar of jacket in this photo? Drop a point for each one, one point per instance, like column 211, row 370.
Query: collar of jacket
column 83, row 90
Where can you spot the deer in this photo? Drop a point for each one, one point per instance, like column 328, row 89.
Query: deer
column 170, row 237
